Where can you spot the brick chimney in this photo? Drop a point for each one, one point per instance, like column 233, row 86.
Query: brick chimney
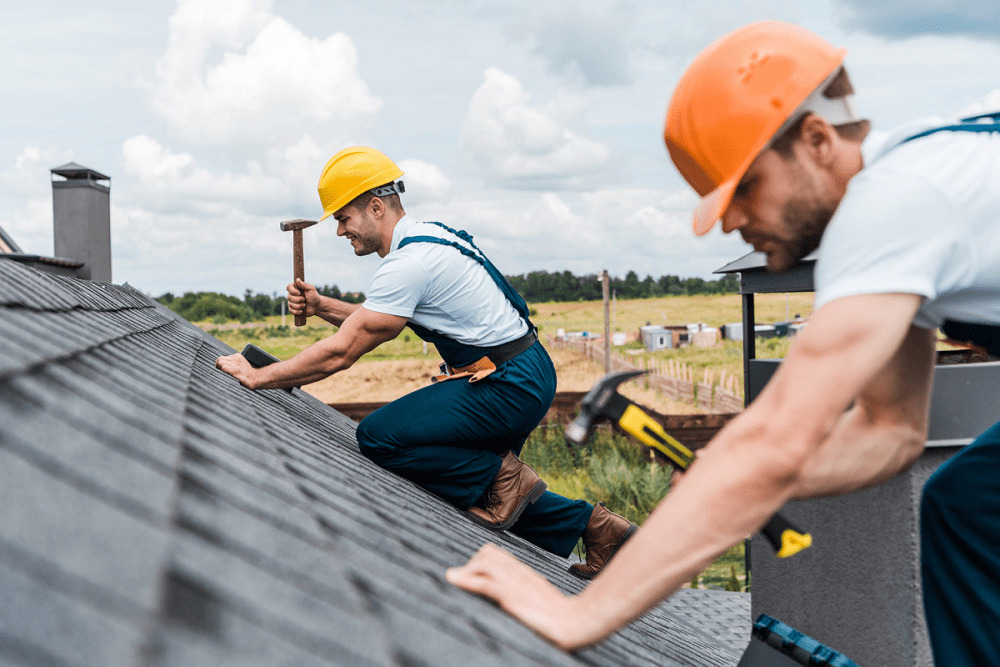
column 81, row 208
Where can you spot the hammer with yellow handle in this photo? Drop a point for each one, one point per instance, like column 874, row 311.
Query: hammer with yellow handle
column 604, row 402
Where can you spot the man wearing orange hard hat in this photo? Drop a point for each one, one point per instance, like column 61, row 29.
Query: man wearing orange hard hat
column 762, row 126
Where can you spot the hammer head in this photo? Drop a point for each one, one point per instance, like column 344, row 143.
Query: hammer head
column 594, row 406
column 294, row 225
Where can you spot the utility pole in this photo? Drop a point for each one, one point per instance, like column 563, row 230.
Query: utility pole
column 605, row 289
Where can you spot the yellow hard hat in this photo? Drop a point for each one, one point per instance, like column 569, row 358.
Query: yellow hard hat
column 352, row 172
column 734, row 98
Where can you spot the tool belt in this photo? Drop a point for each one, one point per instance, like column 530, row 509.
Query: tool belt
column 482, row 367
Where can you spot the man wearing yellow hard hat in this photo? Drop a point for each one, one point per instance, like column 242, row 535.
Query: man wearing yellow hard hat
column 460, row 436
column 762, row 126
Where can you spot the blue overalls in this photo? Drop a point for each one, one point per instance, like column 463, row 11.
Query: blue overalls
column 960, row 522
column 449, row 437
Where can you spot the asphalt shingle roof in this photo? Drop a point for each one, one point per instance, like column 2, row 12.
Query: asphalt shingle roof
column 153, row 511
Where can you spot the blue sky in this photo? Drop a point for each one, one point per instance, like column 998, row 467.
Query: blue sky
column 536, row 126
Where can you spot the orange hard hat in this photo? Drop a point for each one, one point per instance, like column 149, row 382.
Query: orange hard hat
column 733, row 99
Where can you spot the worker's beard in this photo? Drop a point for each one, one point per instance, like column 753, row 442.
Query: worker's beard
column 807, row 217
column 366, row 239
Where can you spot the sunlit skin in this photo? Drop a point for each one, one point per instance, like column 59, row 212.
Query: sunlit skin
column 847, row 409
column 783, row 203
column 361, row 330
column 362, row 229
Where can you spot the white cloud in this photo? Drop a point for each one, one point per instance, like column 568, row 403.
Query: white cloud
column 621, row 229
column 990, row 103
column 899, row 20
column 588, row 39
column 158, row 250
column 424, row 182
column 519, row 145
column 270, row 84
column 168, row 180
column 26, row 198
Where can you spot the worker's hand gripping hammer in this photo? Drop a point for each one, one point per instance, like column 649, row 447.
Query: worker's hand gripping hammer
column 298, row 264
column 604, row 402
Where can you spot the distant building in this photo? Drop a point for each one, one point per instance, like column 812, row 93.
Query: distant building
column 562, row 334
column 734, row 330
column 704, row 336
column 655, row 337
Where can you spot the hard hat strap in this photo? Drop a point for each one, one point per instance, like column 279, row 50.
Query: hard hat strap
column 394, row 188
column 835, row 111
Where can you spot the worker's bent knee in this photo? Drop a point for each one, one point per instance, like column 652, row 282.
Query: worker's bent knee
column 372, row 442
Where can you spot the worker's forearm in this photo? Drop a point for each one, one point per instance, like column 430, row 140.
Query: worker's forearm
column 335, row 311
column 883, row 432
column 727, row 494
column 312, row 364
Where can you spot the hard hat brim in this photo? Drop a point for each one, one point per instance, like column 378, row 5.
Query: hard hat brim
column 711, row 207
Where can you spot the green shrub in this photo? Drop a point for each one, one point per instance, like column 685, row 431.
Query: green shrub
column 630, row 488
column 614, row 469
column 733, row 584
column 209, row 306
column 549, row 454
column 617, row 471
column 279, row 332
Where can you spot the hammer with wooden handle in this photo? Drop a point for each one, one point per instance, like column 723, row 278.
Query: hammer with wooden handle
column 298, row 265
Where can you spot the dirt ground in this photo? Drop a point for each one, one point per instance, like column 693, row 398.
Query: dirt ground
column 388, row 380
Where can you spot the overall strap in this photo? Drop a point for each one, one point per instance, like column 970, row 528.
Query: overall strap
column 970, row 124
column 984, row 335
column 513, row 297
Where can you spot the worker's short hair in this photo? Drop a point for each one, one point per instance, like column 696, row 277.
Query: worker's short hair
column 839, row 86
column 361, row 201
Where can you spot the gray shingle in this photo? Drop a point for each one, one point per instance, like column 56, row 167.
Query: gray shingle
column 35, row 611
column 172, row 517
column 107, row 545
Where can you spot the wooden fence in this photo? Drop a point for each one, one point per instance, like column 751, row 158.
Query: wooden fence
column 713, row 394
column 693, row 430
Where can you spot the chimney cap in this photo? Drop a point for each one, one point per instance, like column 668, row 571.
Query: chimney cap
column 73, row 171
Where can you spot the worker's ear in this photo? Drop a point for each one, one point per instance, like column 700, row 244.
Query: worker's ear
column 817, row 137
column 377, row 206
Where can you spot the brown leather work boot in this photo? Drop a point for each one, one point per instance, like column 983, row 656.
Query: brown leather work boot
column 603, row 536
column 514, row 488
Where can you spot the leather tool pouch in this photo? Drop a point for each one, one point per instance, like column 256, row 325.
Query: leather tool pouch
column 475, row 371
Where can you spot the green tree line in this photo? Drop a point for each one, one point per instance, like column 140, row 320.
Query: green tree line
column 219, row 308
column 541, row 286
column 536, row 287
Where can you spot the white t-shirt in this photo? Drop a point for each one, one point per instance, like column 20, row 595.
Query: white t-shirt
column 439, row 288
column 921, row 218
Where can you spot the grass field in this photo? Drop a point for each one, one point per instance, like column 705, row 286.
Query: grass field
column 401, row 365
column 628, row 315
